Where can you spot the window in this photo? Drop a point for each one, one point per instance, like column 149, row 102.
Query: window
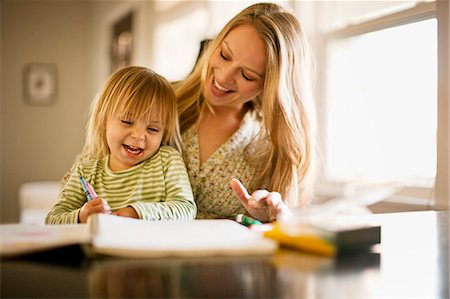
column 381, row 105
column 179, row 38
column 382, row 111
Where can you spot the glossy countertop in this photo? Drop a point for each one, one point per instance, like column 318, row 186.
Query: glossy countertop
column 412, row 261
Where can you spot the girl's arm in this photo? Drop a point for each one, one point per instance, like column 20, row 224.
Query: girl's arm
column 72, row 206
column 71, row 199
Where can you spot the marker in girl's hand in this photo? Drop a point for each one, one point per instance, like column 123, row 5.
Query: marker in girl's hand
column 91, row 194
column 91, row 190
column 88, row 190
column 85, row 188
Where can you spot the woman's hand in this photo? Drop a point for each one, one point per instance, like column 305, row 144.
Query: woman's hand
column 126, row 212
column 96, row 205
column 262, row 204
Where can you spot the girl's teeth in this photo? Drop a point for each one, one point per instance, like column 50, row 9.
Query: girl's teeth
column 133, row 150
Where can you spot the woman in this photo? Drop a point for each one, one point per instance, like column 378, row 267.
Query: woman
column 247, row 118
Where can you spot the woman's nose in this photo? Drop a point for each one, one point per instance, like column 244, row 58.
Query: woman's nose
column 228, row 75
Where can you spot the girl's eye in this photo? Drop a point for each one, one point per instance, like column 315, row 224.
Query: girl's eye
column 153, row 130
column 127, row 122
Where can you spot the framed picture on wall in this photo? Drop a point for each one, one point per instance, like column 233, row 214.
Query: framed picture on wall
column 122, row 42
column 40, row 83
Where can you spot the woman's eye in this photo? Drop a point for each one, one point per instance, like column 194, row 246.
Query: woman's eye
column 223, row 56
column 246, row 77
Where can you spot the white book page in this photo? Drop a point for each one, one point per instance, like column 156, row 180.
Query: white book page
column 119, row 236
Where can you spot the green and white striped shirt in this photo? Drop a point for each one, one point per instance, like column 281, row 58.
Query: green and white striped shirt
column 158, row 189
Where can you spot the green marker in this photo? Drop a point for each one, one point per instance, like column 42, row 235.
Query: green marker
column 246, row 220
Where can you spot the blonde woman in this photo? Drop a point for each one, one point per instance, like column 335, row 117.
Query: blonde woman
column 247, row 118
column 131, row 156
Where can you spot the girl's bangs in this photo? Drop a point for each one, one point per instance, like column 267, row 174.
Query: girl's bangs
column 144, row 104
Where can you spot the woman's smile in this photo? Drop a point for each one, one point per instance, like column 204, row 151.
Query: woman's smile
column 218, row 90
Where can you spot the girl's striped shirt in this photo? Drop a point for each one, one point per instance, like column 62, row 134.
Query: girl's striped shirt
column 158, row 188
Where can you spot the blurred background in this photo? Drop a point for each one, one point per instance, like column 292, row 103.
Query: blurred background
column 382, row 85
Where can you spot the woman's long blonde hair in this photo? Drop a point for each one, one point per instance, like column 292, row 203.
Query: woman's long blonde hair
column 136, row 91
column 285, row 104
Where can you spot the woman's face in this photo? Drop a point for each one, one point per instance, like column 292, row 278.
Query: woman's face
column 237, row 69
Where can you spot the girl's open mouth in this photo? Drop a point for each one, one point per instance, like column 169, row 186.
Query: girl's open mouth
column 132, row 150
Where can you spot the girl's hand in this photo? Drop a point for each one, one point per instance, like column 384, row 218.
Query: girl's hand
column 262, row 204
column 127, row 212
column 96, row 205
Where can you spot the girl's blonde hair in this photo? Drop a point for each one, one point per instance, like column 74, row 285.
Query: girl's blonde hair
column 285, row 104
column 135, row 91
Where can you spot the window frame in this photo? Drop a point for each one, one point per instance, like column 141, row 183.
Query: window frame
column 411, row 197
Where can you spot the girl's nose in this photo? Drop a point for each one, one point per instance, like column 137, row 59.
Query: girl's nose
column 138, row 133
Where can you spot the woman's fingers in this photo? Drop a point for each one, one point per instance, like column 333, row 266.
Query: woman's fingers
column 279, row 206
column 255, row 201
column 261, row 204
column 240, row 191
column 274, row 199
column 258, row 199
column 275, row 204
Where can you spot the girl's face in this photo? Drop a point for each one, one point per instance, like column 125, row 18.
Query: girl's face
column 132, row 140
column 237, row 69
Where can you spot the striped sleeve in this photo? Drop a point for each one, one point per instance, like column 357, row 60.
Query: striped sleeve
column 70, row 201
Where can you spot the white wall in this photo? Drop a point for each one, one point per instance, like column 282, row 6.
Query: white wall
column 40, row 143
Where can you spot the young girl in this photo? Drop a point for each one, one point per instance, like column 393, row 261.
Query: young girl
column 130, row 156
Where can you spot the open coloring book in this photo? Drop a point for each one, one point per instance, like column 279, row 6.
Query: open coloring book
column 127, row 237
